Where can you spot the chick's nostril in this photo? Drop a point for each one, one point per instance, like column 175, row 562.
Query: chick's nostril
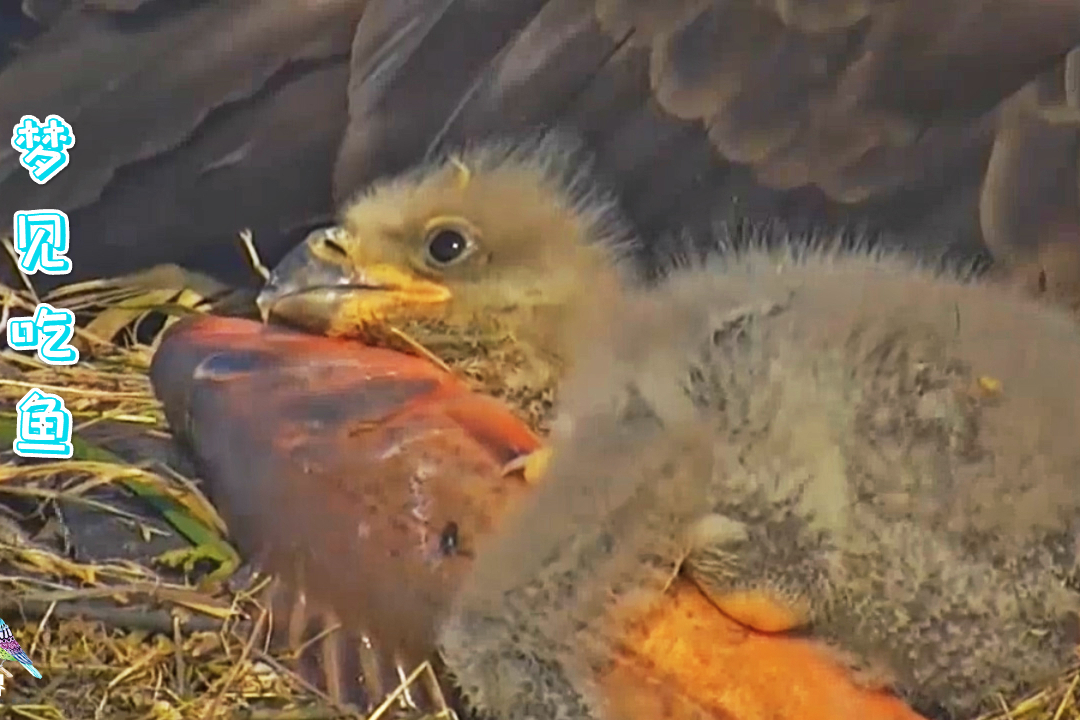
column 334, row 247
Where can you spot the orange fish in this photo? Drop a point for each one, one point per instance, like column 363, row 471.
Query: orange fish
column 362, row 477
column 367, row 480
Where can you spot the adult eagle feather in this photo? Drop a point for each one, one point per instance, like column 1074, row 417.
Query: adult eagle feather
column 944, row 125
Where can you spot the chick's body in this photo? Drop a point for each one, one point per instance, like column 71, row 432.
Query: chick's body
column 841, row 444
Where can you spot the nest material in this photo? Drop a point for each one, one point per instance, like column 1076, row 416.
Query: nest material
column 494, row 364
column 160, row 637
column 149, row 636
column 125, row 638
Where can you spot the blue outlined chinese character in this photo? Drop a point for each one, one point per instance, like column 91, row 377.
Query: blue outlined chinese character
column 50, row 331
column 22, row 334
column 44, row 426
column 43, row 147
column 57, row 328
column 41, row 239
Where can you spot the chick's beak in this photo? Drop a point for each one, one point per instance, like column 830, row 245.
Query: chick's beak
column 320, row 289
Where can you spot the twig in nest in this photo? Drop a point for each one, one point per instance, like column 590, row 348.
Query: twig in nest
column 88, row 392
column 277, row 666
column 41, row 626
column 316, row 713
column 1004, row 706
column 425, row 669
column 234, row 672
column 178, row 655
column 1066, row 699
column 248, row 241
column 419, row 349
column 112, row 616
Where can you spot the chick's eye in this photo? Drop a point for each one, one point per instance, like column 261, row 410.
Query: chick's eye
column 447, row 245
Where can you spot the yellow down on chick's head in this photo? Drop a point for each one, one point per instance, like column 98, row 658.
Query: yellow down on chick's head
column 481, row 257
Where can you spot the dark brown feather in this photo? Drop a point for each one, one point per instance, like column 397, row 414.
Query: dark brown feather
column 888, row 109
column 186, row 117
column 197, row 120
